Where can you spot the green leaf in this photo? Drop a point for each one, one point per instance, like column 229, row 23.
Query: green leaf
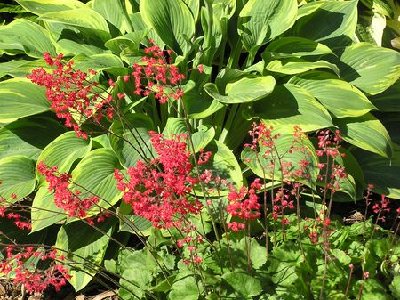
column 395, row 286
column 201, row 138
column 98, row 62
column 339, row 97
column 243, row 90
column 291, row 46
column 243, row 283
column 21, row 68
column 114, row 12
column 367, row 133
column 80, row 17
column 28, row 136
column 44, row 211
column 17, row 176
column 20, row 98
column 24, row 36
column 86, row 247
column 290, row 106
column 131, row 140
column 285, row 145
column 12, row 144
column 332, row 23
column 292, row 66
column 64, row 151
column 371, row 68
column 185, row 289
column 381, row 172
column 388, row 101
column 260, row 21
column 43, row 6
column 223, row 163
column 95, row 173
column 172, row 21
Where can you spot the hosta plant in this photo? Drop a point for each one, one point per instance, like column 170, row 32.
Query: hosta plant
column 198, row 149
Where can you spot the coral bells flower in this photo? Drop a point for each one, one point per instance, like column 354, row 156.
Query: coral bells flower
column 72, row 92
column 19, row 265
column 156, row 75
column 159, row 190
column 63, row 197
column 244, row 204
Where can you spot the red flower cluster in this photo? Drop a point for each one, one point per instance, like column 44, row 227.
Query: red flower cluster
column 21, row 267
column 71, row 92
column 63, row 197
column 159, row 190
column 244, row 204
column 156, row 75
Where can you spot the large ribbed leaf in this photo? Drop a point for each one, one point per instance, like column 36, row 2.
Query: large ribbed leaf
column 28, row 136
column 95, row 176
column 20, row 98
column 172, row 21
column 44, row 6
column 330, row 22
column 24, row 36
column 290, row 106
column 383, row 173
column 64, row 150
column 80, row 17
column 17, row 177
column 291, row 66
column 130, row 140
column 86, row 247
column 44, row 211
column 260, row 21
column 261, row 165
column 243, row 90
column 371, row 68
column 293, row 46
column 339, row 97
column 114, row 12
column 367, row 133
column 389, row 100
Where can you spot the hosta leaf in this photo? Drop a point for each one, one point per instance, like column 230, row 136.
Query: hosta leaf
column 243, row 90
column 260, row 21
column 338, row 96
column 371, row 68
column 95, row 174
column 291, row 66
column 201, row 138
column 131, row 140
column 64, row 150
column 172, row 21
column 20, row 98
column 86, row 247
column 72, row 40
column 261, row 164
column 381, row 172
column 28, row 136
column 389, row 100
column 99, row 62
column 44, row 212
column 17, row 176
column 330, row 22
column 367, row 133
column 21, row 68
column 80, row 17
column 24, row 36
column 114, row 12
column 290, row 106
column 292, row 46
column 44, row 6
